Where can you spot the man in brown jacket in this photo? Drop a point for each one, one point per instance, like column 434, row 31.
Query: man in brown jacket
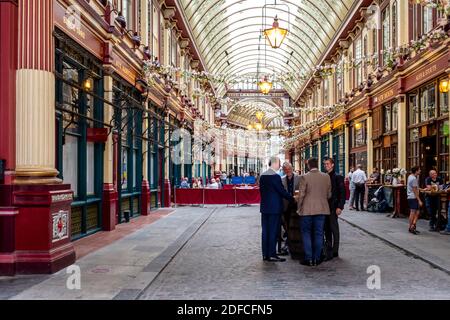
column 315, row 190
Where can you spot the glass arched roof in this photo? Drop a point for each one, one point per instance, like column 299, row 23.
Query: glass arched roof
column 228, row 35
column 244, row 112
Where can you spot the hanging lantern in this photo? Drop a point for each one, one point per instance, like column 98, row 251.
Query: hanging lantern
column 88, row 84
column 250, row 126
column 258, row 126
column 259, row 115
column 275, row 35
column 265, row 86
column 444, row 86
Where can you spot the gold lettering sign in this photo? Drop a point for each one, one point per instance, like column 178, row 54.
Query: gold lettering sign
column 76, row 27
column 425, row 73
column 124, row 70
column 384, row 96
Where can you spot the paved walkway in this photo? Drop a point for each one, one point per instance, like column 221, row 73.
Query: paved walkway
column 432, row 247
column 214, row 253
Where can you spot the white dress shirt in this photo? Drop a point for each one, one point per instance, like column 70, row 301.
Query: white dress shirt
column 359, row 176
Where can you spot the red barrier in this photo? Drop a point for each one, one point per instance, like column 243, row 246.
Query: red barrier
column 219, row 196
column 247, row 196
column 188, row 196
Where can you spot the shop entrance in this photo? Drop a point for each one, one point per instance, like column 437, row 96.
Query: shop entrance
column 428, row 155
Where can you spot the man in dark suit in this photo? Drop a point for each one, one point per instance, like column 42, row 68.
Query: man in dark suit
column 336, row 202
column 272, row 194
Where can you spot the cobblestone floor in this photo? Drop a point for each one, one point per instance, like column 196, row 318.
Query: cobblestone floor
column 214, row 253
column 222, row 261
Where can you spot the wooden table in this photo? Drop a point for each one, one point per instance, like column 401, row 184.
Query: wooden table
column 442, row 213
column 400, row 201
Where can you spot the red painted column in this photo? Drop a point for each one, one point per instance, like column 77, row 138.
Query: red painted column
column 145, row 198
column 8, row 65
column 41, row 226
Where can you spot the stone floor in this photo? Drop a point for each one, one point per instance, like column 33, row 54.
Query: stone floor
column 214, row 253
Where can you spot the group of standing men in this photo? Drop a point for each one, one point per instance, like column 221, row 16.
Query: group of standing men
column 317, row 199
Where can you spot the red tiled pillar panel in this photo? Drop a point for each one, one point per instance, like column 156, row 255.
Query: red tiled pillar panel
column 43, row 228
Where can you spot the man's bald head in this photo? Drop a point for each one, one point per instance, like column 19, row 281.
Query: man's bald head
column 274, row 163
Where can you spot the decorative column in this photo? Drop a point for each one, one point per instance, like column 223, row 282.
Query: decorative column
column 167, row 186
column 35, row 94
column 42, row 225
column 145, row 192
column 110, row 195
column 369, row 144
column 402, row 132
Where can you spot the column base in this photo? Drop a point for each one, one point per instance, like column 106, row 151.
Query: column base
column 145, row 198
column 110, row 198
column 41, row 229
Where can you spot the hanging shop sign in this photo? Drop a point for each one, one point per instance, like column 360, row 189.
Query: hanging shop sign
column 426, row 73
column 97, row 134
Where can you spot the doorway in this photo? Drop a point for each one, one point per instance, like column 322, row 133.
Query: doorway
column 428, row 156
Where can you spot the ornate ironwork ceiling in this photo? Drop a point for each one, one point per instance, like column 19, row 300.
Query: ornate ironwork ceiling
column 227, row 33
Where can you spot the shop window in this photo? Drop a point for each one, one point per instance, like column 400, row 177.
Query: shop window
column 124, row 174
column 427, row 103
column 387, row 118
column 413, row 148
column 444, row 150
column 443, row 103
column 359, row 134
column 413, row 109
column 70, row 162
column 90, row 174
column 79, row 108
column 390, row 117
column 377, row 158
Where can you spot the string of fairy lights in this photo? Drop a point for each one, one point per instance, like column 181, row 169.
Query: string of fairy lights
column 153, row 69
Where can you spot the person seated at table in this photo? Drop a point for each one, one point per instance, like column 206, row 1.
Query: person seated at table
column 195, row 184
column 433, row 183
column 184, row 183
column 200, row 182
column 213, row 184
column 223, row 177
column 375, row 177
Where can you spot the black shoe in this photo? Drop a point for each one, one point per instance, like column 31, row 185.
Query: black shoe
column 433, row 229
column 335, row 255
column 276, row 259
column 308, row 263
column 265, row 259
column 328, row 258
column 283, row 253
column 412, row 231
